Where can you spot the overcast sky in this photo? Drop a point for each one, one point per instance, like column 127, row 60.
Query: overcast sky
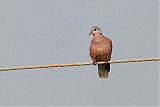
column 36, row 32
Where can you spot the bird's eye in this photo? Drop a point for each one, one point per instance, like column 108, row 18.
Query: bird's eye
column 94, row 29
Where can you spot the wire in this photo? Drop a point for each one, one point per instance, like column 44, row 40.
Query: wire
column 77, row 64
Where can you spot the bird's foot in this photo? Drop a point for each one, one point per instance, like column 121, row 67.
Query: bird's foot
column 94, row 63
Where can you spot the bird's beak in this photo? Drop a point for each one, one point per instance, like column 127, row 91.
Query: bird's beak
column 90, row 33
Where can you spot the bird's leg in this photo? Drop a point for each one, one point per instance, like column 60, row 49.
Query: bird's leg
column 106, row 61
column 94, row 61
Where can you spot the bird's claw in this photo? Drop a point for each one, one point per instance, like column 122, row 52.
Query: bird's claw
column 94, row 63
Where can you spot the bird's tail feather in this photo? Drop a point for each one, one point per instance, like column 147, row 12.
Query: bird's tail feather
column 103, row 70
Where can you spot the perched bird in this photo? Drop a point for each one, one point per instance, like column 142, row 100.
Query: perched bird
column 100, row 50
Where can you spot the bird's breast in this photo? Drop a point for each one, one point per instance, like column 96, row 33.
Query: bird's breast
column 101, row 51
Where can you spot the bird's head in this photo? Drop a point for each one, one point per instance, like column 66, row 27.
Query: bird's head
column 95, row 29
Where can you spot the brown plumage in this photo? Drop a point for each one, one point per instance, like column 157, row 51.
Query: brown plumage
column 100, row 50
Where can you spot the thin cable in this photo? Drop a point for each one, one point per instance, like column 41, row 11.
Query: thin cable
column 77, row 64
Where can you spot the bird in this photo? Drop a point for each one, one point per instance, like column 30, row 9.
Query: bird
column 100, row 50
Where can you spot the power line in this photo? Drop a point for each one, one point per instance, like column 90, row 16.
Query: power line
column 77, row 64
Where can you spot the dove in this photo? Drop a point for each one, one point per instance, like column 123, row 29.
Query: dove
column 100, row 50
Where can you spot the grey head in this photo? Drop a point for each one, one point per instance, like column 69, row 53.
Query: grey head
column 95, row 29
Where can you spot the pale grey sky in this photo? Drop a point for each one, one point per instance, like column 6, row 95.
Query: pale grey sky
column 35, row 32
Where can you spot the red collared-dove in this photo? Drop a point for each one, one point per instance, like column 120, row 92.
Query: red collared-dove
column 100, row 50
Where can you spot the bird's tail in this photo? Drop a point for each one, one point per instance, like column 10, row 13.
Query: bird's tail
column 103, row 70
